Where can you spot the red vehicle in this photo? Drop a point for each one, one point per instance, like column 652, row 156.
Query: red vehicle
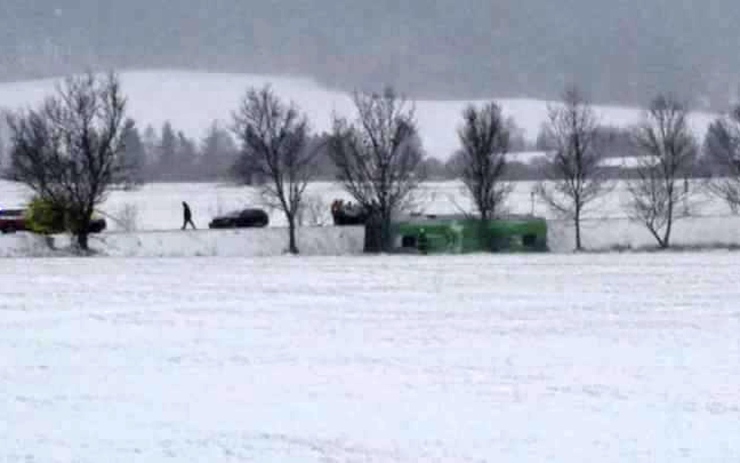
column 12, row 220
column 347, row 213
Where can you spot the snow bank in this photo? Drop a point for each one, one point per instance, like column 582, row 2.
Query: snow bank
column 271, row 241
column 24, row 245
column 600, row 235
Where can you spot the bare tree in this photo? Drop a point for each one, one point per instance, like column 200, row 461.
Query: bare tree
column 574, row 169
column 274, row 138
column 484, row 136
column 378, row 157
column 4, row 158
column 668, row 151
column 722, row 146
column 69, row 150
column 313, row 212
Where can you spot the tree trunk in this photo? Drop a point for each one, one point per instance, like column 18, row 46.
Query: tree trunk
column 373, row 234
column 385, row 231
column 577, row 224
column 655, row 232
column 666, row 242
column 378, row 236
column 292, row 245
column 82, row 240
column 81, row 228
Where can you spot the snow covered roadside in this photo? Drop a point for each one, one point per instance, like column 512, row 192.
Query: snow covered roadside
column 621, row 233
column 24, row 244
column 600, row 236
column 158, row 210
column 270, row 241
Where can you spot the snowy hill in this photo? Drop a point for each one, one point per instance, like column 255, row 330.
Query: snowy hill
column 192, row 100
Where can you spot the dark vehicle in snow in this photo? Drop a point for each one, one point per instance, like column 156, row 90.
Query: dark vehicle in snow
column 345, row 213
column 97, row 225
column 244, row 218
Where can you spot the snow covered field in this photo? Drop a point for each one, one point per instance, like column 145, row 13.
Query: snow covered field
column 563, row 358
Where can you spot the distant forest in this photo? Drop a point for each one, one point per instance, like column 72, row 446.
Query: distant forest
column 167, row 154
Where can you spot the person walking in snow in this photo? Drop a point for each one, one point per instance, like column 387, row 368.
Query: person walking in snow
column 187, row 216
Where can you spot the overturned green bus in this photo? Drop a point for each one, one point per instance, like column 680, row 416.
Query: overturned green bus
column 457, row 234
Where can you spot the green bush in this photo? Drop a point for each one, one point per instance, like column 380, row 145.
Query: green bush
column 45, row 217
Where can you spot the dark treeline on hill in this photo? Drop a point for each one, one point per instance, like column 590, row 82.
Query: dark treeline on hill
column 166, row 154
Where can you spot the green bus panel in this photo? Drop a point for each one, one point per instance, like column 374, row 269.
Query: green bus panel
column 465, row 235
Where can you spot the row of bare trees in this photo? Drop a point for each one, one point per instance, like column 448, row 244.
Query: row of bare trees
column 70, row 151
column 377, row 154
column 665, row 148
column 722, row 144
column 576, row 174
column 667, row 155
